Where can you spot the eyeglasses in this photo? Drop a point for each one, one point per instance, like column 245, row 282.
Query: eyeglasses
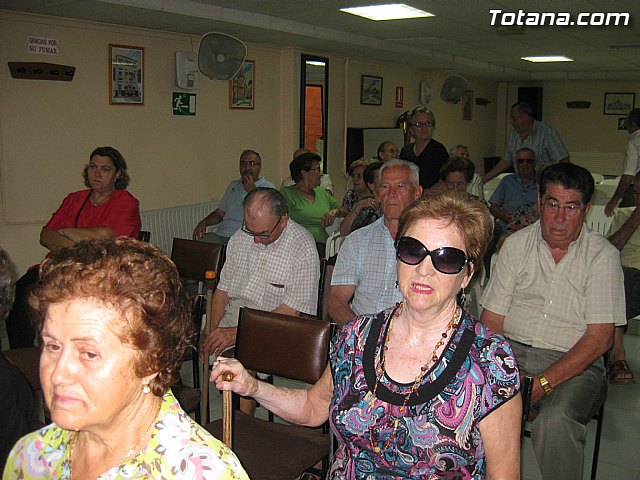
column 264, row 236
column 524, row 160
column 249, row 164
column 570, row 210
column 447, row 260
column 422, row 124
column 317, row 170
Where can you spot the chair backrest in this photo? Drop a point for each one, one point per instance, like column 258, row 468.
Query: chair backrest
column 144, row 236
column 333, row 244
column 610, row 181
column 526, row 389
column 282, row 345
column 193, row 258
column 326, row 272
column 597, row 220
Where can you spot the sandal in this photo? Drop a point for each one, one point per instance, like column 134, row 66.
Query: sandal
column 620, row 373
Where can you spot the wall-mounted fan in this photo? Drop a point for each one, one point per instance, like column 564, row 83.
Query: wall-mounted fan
column 220, row 56
column 452, row 90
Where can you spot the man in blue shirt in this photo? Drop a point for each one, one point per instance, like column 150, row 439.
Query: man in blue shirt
column 229, row 212
column 516, row 198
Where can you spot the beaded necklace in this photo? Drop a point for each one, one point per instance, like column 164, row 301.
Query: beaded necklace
column 126, row 457
column 418, row 380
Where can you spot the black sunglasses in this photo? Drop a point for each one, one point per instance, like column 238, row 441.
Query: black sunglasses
column 447, row 260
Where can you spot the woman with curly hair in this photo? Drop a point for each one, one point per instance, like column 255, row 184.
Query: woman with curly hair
column 114, row 323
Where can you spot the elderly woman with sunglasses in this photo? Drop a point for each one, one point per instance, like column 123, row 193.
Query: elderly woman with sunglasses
column 420, row 390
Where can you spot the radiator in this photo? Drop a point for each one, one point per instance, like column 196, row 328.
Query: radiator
column 606, row 163
column 167, row 223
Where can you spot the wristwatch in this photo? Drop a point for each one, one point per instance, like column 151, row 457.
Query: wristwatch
column 546, row 386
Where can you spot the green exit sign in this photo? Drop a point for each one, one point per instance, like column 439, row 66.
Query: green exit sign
column 184, row 104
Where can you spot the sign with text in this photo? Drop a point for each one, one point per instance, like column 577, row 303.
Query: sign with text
column 42, row 45
column 184, row 104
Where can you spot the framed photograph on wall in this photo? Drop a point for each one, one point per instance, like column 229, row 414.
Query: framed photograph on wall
column 126, row 75
column 371, row 90
column 618, row 103
column 467, row 105
column 242, row 87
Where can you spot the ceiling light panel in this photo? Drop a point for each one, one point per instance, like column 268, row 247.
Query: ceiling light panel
column 547, row 59
column 392, row 11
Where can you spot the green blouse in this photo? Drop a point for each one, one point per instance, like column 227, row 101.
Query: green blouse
column 308, row 214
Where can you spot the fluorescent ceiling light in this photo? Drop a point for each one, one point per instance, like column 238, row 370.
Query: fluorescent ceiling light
column 550, row 58
column 392, row 11
column 315, row 63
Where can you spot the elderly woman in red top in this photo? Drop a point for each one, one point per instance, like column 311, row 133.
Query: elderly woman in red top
column 105, row 210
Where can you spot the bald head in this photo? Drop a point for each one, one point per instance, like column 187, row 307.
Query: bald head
column 299, row 152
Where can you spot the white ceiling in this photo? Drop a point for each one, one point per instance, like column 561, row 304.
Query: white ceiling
column 459, row 39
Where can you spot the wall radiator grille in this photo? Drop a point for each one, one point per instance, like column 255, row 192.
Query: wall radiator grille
column 606, row 163
column 167, row 223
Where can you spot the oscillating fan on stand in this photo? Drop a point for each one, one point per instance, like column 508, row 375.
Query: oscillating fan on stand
column 220, row 56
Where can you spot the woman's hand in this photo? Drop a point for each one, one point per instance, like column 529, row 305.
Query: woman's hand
column 329, row 217
column 365, row 202
column 242, row 383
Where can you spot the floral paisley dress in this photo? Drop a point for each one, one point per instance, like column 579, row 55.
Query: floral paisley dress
column 178, row 448
column 437, row 436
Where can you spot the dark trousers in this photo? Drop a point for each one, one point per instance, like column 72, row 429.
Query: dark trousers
column 20, row 322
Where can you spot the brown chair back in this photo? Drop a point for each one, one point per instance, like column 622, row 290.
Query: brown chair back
column 283, row 345
column 194, row 258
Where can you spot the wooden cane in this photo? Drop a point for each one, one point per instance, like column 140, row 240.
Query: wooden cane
column 210, row 279
column 227, row 412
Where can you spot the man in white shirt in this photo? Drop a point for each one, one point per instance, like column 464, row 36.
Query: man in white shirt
column 529, row 132
column 271, row 264
column 630, row 165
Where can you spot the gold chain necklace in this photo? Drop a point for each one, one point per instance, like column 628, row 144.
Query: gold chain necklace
column 126, row 457
column 418, row 380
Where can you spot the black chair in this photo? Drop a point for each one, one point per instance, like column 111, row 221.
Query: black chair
column 326, row 272
column 290, row 347
column 144, row 236
column 596, row 413
column 193, row 259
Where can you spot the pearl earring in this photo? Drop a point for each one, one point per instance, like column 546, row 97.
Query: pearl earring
column 146, row 389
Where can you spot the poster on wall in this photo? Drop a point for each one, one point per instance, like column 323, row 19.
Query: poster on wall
column 618, row 103
column 242, row 87
column 126, row 76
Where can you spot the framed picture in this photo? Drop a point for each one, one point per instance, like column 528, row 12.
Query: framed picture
column 467, row 105
column 371, row 90
column 242, row 87
column 618, row 103
column 126, row 76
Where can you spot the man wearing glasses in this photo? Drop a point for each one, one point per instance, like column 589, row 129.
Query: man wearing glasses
column 514, row 203
column 556, row 293
column 229, row 211
column 272, row 264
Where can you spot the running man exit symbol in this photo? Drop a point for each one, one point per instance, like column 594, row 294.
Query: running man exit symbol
column 184, row 104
